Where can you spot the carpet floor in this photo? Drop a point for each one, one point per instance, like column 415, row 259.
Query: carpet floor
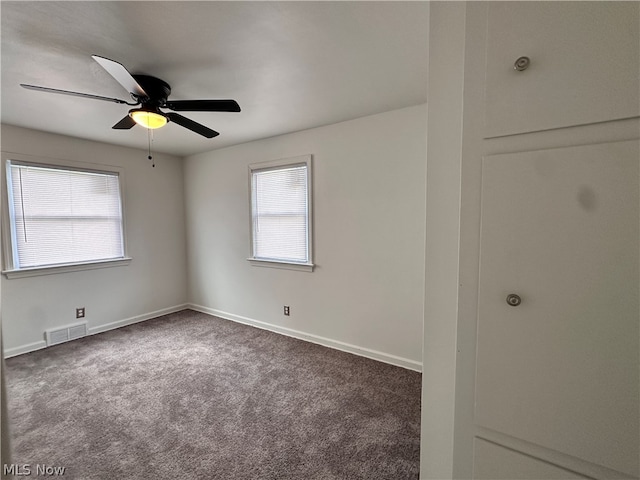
column 193, row 396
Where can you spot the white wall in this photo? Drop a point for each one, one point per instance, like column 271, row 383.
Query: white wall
column 366, row 292
column 154, row 282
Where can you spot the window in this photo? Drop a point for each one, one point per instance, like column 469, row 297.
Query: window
column 62, row 216
column 281, row 213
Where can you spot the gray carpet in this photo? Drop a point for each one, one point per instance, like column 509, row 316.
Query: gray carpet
column 191, row 396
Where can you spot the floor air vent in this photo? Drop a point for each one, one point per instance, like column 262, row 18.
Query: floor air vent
column 64, row 334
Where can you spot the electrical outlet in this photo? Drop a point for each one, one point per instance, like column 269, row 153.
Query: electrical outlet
column 286, row 310
column 80, row 312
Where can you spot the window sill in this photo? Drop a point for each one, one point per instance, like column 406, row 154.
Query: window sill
column 303, row 267
column 70, row 267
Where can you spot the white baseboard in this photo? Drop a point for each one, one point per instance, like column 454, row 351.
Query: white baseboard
column 327, row 342
column 138, row 318
column 31, row 347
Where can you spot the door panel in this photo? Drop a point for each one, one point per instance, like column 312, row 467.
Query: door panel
column 560, row 229
column 494, row 462
column 584, row 63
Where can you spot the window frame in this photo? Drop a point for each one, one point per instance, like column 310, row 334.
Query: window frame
column 8, row 239
column 278, row 165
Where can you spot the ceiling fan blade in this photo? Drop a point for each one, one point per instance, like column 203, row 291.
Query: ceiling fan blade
column 191, row 125
column 125, row 124
column 121, row 74
column 203, row 105
column 74, row 94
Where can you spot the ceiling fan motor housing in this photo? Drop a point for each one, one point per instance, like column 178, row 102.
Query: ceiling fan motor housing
column 158, row 90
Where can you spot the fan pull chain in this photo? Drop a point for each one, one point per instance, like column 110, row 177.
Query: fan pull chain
column 150, row 157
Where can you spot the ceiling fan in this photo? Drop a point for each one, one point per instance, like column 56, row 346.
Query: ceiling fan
column 150, row 94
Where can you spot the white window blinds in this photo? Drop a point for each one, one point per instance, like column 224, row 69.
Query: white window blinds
column 62, row 216
column 280, row 214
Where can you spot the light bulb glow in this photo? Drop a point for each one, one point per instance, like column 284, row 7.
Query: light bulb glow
column 148, row 119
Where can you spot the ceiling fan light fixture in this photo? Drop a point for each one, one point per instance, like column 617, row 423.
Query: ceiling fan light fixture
column 148, row 119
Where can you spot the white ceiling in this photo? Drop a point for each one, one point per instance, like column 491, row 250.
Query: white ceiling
column 290, row 65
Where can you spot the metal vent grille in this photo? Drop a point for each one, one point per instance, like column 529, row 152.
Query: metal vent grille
column 64, row 334
column 77, row 331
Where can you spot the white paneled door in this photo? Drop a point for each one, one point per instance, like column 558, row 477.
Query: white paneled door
column 581, row 65
column 559, row 370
